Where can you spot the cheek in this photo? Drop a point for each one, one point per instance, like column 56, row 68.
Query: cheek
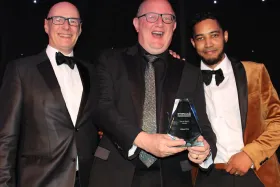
column 199, row 47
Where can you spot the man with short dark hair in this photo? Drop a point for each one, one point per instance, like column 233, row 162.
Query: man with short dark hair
column 243, row 108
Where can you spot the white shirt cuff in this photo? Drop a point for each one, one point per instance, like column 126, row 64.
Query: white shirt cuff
column 208, row 162
column 132, row 150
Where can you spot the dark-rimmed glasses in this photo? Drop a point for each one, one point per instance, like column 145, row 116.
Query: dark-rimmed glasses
column 153, row 17
column 60, row 20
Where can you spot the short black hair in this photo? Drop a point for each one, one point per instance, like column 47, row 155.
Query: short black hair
column 200, row 16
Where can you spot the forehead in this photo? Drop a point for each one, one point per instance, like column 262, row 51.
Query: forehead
column 161, row 7
column 206, row 26
column 65, row 11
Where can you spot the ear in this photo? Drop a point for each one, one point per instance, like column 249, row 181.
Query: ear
column 136, row 24
column 226, row 36
column 174, row 26
column 80, row 30
column 46, row 26
column 193, row 43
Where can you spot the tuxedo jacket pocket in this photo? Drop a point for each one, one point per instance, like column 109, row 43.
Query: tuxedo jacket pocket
column 102, row 153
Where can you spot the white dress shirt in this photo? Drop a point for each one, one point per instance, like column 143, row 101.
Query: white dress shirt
column 222, row 107
column 70, row 84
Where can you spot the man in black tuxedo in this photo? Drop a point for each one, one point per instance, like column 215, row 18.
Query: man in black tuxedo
column 132, row 153
column 47, row 135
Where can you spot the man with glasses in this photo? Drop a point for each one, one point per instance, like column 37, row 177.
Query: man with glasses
column 46, row 132
column 138, row 86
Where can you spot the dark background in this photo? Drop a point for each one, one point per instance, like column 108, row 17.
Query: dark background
column 252, row 25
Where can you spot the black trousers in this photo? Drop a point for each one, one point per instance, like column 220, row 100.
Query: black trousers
column 220, row 178
column 149, row 178
column 77, row 180
column 146, row 177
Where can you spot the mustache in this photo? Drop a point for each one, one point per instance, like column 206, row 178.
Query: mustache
column 208, row 50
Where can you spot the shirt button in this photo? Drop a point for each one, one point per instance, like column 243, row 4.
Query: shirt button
column 77, row 129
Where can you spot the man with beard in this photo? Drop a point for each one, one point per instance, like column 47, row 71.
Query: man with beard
column 243, row 108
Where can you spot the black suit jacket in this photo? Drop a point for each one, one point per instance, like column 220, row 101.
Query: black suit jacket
column 39, row 143
column 121, row 97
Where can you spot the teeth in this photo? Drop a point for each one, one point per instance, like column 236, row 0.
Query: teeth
column 65, row 35
column 158, row 33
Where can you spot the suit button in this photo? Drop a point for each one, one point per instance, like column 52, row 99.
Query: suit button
column 74, row 159
column 77, row 129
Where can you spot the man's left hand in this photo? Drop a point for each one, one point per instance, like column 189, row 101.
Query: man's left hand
column 199, row 154
column 239, row 164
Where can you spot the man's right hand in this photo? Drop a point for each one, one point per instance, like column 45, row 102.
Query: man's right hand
column 160, row 145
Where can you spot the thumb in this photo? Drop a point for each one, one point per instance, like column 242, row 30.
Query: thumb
column 200, row 139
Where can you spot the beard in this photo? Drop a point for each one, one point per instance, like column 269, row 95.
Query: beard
column 213, row 61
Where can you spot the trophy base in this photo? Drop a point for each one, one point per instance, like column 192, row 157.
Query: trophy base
column 188, row 144
column 195, row 144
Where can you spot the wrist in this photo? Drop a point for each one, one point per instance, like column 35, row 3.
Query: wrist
column 140, row 139
column 209, row 154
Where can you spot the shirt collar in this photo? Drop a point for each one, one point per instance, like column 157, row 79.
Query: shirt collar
column 51, row 53
column 163, row 56
column 225, row 65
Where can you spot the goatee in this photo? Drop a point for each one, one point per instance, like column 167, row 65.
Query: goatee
column 213, row 61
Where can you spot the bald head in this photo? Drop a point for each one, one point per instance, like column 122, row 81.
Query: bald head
column 64, row 8
column 63, row 35
column 155, row 36
column 148, row 3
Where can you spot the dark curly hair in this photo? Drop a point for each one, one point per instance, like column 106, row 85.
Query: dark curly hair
column 198, row 17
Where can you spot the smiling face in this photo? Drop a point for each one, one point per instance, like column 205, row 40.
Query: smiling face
column 209, row 41
column 63, row 37
column 155, row 37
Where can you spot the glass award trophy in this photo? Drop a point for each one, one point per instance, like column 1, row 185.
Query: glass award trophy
column 184, row 123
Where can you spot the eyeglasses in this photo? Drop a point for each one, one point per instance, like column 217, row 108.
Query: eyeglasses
column 59, row 20
column 153, row 17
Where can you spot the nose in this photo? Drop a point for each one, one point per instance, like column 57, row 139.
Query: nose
column 159, row 21
column 208, row 42
column 66, row 25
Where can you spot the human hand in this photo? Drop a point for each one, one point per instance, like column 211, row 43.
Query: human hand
column 160, row 145
column 239, row 164
column 175, row 55
column 199, row 154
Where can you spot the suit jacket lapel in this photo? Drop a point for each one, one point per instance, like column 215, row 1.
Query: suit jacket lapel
column 169, row 91
column 46, row 70
column 133, row 63
column 242, row 89
column 85, row 78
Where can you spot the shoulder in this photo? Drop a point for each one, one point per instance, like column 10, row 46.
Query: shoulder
column 253, row 67
column 112, row 58
column 252, row 63
column 191, row 69
column 112, row 52
column 29, row 61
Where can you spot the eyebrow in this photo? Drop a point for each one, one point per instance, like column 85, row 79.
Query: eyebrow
column 212, row 32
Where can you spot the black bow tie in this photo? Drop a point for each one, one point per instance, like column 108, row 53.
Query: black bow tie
column 207, row 76
column 61, row 59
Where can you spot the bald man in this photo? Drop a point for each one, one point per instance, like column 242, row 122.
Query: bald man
column 135, row 150
column 47, row 135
